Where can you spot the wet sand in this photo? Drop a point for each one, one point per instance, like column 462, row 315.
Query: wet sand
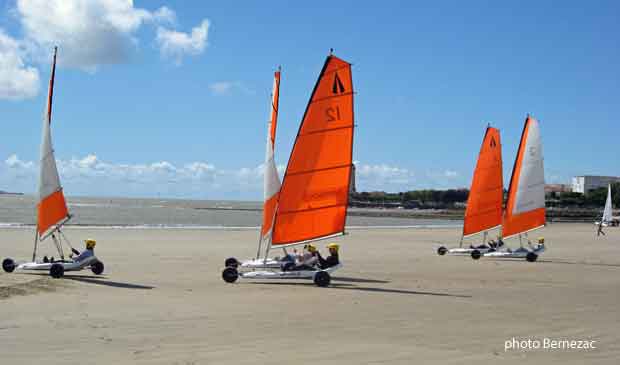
column 162, row 301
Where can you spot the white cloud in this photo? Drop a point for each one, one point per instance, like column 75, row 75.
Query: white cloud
column 383, row 177
column 91, row 176
column 15, row 163
column 89, row 32
column 221, row 87
column 450, row 173
column 17, row 80
column 174, row 44
column 228, row 87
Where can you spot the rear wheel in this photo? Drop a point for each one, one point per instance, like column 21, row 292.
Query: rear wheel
column 442, row 251
column 322, row 278
column 57, row 271
column 231, row 262
column 230, row 274
column 8, row 265
column 97, row 267
column 531, row 257
column 475, row 254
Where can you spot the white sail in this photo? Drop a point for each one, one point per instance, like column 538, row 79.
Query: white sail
column 271, row 182
column 607, row 216
column 52, row 207
column 531, row 187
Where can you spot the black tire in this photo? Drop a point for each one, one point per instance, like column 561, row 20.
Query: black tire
column 230, row 274
column 531, row 257
column 322, row 279
column 8, row 265
column 57, row 271
column 475, row 254
column 231, row 262
column 442, row 251
column 97, row 268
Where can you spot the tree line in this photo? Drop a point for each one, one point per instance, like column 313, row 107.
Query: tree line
column 456, row 198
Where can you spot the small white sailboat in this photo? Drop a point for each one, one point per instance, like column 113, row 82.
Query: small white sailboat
column 312, row 202
column 52, row 211
column 607, row 218
column 525, row 208
column 486, row 194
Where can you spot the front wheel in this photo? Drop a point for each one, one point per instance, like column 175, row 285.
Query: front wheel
column 57, row 271
column 531, row 257
column 97, row 268
column 442, row 251
column 230, row 275
column 322, row 278
column 8, row 265
column 476, row 254
column 231, row 262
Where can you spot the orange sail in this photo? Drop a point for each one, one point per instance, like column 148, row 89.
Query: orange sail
column 315, row 190
column 271, row 181
column 525, row 208
column 484, row 204
column 52, row 208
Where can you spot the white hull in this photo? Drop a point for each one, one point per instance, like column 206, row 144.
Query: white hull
column 320, row 277
column 68, row 266
column 262, row 264
column 300, row 274
column 519, row 253
column 465, row 251
column 56, row 269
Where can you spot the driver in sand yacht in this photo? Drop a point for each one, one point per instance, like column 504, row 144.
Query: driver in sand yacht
column 308, row 260
column 88, row 252
column 332, row 259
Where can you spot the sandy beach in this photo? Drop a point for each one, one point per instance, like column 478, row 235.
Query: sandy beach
column 162, row 301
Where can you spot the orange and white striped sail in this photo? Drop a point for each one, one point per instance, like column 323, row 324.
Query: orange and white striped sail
column 315, row 190
column 52, row 208
column 271, row 182
column 484, row 204
column 525, row 208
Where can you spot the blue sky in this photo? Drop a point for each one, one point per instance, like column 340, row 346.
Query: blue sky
column 146, row 107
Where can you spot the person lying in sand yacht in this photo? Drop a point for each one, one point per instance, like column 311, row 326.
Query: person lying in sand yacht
column 307, row 260
column 88, row 252
column 332, row 259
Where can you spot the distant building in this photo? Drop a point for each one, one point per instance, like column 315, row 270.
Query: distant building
column 583, row 184
column 558, row 188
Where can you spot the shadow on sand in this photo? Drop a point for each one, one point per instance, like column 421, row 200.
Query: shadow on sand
column 335, row 285
column 579, row 263
column 98, row 280
column 358, row 280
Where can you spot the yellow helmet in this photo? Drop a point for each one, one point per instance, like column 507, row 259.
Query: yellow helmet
column 90, row 243
column 311, row 248
column 333, row 246
column 541, row 239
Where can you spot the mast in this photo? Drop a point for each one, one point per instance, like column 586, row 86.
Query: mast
column 315, row 190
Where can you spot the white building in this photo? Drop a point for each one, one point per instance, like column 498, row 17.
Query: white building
column 583, row 184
